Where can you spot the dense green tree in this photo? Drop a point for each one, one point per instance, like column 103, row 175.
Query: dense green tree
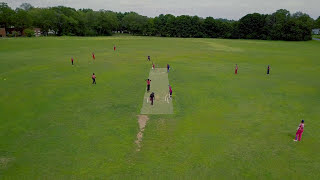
column 149, row 29
column 22, row 20
column 317, row 23
column 134, row 23
column 301, row 30
column 235, row 34
column 280, row 25
column 64, row 20
column 26, row 6
column 159, row 25
column 43, row 18
column 165, row 25
column 209, row 27
column 215, row 28
column 197, row 27
column 7, row 15
column 252, row 26
column 184, row 26
column 276, row 23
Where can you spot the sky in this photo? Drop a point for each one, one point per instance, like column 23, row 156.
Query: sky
column 229, row 9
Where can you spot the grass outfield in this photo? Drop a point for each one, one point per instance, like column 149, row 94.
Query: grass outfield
column 54, row 124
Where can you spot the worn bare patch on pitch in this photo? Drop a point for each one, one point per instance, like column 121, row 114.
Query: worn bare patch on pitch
column 142, row 120
column 4, row 161
column 221, row 47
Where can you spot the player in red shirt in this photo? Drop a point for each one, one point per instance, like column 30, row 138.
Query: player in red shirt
column 170, row 91
column 153, row 66
column 236, row 71
column 148, row 85
column 72, row 60
column 299, row 131
column 93, row 56
column 94, row 79
column 114, row 47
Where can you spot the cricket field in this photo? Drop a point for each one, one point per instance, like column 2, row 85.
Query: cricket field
column 55, row 124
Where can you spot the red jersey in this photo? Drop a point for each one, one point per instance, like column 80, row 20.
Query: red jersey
column 301, row 126
column 170, row 89
column 148, row 82
column 71, row 59
column 93, row 56
column 93, row 76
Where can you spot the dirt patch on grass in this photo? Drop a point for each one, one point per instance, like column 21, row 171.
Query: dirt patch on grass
column 142, row 120
column 221, row 47
column 4, row 161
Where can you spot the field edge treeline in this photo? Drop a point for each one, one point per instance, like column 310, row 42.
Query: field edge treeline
column 60, row 20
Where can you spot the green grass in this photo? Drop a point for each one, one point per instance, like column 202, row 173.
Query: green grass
column 54, row 124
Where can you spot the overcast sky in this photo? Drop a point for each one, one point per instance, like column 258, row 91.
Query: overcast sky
column 230, row 9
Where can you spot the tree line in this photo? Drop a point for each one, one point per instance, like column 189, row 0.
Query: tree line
column 281, row 25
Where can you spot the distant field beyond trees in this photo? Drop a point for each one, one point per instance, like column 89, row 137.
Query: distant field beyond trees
column 61, row 20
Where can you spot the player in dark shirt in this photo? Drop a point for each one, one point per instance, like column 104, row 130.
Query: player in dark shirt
column 152, row 98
